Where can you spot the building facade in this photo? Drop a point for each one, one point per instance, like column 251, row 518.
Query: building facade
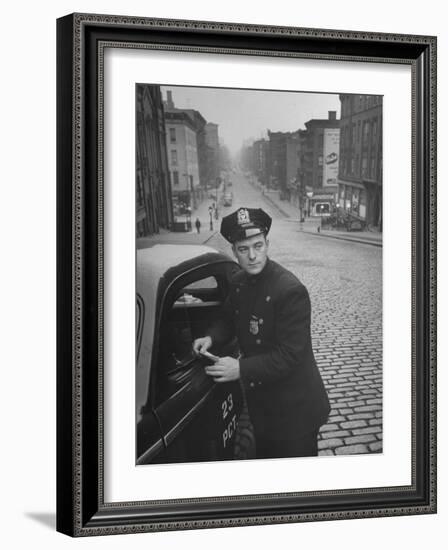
column 212, row 152
column 183, row 161
column 154, row 208
column 199, row 124
column 360, row 178
column 283, row 161
column 319, row 164
column 314, row 150
column 259, row 161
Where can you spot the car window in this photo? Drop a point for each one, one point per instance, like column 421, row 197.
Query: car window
column 178, row 332
column 192, row 305
column 202, row 291
column 207, row 282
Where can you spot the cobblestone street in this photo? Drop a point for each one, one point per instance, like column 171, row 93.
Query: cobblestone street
column 344, row 280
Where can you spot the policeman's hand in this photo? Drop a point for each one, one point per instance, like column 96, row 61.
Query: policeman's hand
column 226, row 369
column 202, row 344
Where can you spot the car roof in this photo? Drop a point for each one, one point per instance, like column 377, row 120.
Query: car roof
column 154, row 262
column 165, row 262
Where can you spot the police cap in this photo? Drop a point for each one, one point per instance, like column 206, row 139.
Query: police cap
column 245, row 223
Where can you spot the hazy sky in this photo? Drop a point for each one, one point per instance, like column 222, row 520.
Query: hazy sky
column 243, row 114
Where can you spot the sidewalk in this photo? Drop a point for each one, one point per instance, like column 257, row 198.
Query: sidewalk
column 312, row 224
column 188, row 237
column 373, row 238
column 169, row 237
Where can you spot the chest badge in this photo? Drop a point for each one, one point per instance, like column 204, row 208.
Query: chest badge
column 254, row 325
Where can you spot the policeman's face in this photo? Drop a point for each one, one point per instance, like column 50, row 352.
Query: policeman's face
column 252, row 253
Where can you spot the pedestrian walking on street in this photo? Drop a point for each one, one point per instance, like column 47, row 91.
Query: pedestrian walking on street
column 269, row 311
column 197, row 223
column 210, row 213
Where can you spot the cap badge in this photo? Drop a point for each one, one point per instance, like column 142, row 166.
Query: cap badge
column 253, row 325
column 243, row 216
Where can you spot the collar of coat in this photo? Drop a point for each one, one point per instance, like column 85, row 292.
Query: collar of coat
column 254, row 279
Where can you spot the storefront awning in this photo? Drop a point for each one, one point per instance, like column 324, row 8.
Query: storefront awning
column 318, row 198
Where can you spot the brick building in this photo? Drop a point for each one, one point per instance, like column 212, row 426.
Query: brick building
column 283, row 161
column 313, row 154
column 319, row 164
column 360, row 177
column 212, row 152
column 260, row 156
column 183, row 160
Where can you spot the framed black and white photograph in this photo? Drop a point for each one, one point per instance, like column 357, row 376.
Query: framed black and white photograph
column 199, row 170
column 246, row 275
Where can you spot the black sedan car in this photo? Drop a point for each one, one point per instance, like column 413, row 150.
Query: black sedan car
column 181, row 414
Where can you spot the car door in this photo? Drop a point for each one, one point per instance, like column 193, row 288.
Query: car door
column 197, row 418
column 149, row 440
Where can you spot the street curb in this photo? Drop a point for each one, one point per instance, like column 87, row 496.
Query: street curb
column 275, row 205
column 210, row 237
column 337, row 237
column 342, row 238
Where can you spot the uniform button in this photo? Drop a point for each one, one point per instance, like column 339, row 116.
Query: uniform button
column 237, row 311
column 237, row 290
column 258, row 341
column 259, row 383
column 251, row 384
column 268, row 298
column 260, row 321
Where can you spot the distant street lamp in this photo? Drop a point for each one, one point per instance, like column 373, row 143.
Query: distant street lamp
column 188, row 217
column 217, row 184
column 309, row 194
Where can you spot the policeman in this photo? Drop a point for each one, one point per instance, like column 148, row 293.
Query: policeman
column 269, row 310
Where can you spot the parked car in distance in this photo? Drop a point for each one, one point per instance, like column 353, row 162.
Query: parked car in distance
column 227, row 199
column 182, row 415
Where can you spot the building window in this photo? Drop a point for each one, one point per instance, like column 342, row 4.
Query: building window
column 172, row 135
column 175, row 177
column 364, row 163
column 372, row 166
column 374, row 128
column 140, row 191
column 365, row 133
column 174, row 157
column 352, row 166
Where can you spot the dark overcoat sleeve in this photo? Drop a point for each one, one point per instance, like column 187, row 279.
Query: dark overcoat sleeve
column 292, row 340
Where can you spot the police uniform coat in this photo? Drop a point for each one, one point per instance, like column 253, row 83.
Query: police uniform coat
column 270, row 314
